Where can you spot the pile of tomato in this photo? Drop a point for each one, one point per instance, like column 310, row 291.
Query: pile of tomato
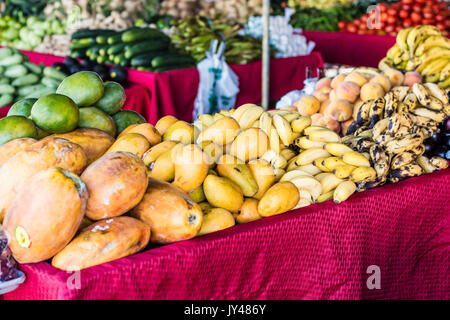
column 390, row 19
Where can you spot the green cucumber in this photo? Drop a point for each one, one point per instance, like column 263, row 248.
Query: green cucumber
column 172, row 59
column 82, row 43
column 115, row 39
column 147, row 46
column 141, row 34
column 15, row 71
column 11, row 60
column 4, row 81
column 5, row 52
column 25, row 80
column 103, row 38
column 6, row 99
column 7, row 89
column 36, row 69
column 145, row 60
column 79, row 54
column 50, row 82
column 116, row 48
column 118, row 58
column 174, row 67
column 54, row 74
column 124, row 62
column 2, row 69
column 89, row 33
column 24, row 91
column 100, row 59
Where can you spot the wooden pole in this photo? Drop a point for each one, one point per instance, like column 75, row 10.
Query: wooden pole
column 265, row 55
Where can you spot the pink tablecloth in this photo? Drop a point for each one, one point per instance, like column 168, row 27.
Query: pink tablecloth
column 174, row 92
column 319, row 252
column 351, row 48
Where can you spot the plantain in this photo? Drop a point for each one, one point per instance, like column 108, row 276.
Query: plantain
column 410, row 102
column 391, row 104
column 439, row 163
column 377, row 153
column 407, row 143
column 400, row 92
column 376, row 111
column 364, row 144
column 363, row 113
column 403, row 159
column 434, row 115
column 407, row 171
column 430, row 42
column 380, row 126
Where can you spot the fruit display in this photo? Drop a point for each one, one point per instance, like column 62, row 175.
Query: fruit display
column 193, row 36
column 232, row 10
column 21, row 79
column 423, row 49
column 141, row 48
column 391, row 18
column 336, row 101
column 392, row 131
column 29, row 33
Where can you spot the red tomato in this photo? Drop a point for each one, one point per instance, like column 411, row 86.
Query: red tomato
column 407, row 23
column 407, row 1
column 389, row 28
column 416, row 17
column 403, row 14
column 417, row 7
column 382, row 7
column 440, row 26
column 428, row 15
column 398, row 28
column 447, row 23
column 420, row 1
column 357, row 22
column 383, row 16
column 391, row 20
column 342, row 24
column 391, row 11
column 364, row 18
column 406, row 7
column 428, row 21
column 439, row 17
column 351, row 27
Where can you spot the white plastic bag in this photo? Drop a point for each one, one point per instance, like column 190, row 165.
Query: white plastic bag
column 219, row 85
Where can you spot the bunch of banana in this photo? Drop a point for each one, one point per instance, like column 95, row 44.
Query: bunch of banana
column 193, row 36
column 422, row 49
column 391, row 130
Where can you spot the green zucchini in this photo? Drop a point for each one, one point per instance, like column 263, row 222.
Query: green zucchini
column 15, row 71
column 7, row 89
column 140, row 34
column 172, row 59
column 82, row 43
column 11, row 60
column 4, row 80
column 118, row 58
column 36, row 69
column 25, row 80
column 79, row 54
column 5, row 52
column 124, row 62
column 2, row 69
column 173, row 67
column 147, row 46
column 103, row 38
column 50, row 82
column 6, row 99
column 54, row 74
column 89, row 33
column 115, row 39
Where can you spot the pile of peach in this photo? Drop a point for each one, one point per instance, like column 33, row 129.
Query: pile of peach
column 335, row 99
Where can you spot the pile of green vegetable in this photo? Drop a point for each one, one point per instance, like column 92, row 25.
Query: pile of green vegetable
column 27, row 33
column 141, row 48
column 20, row 78
column 327, row 19
column 20, row 8
column 193, row 36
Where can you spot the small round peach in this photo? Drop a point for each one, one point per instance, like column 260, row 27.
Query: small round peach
column 307, row 105
column 333, row 95
column 324, row 82
column 337, row 80
column 323, row 94
column 357, row 78
column 339, row 110
column 347, row 90
column 382, row 81
column 396, row 77
column 371, row 91
column 330, row 123
column 412, row 77
column 315, row 118
column 324, row 105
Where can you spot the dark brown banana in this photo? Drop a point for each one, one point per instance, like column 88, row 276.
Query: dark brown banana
column 403, row 159
column 376, row 111
column 407, row 171
column 391, row 104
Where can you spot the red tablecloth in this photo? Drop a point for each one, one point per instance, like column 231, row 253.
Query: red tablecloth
column 351, row 48
column 138, row 97
column 174, row 92
column 319, row 252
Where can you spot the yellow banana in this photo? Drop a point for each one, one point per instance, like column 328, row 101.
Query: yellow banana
column 324, row 135
column 343, row 171
column 343, row 191
column 283, row 128
column 337, row 149
column 308, row 156
column 298, row 125
column 250, row 116
column 305, row 143
column 355, row 159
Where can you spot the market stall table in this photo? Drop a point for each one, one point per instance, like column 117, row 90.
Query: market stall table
column 351, row 48
column 324, row 251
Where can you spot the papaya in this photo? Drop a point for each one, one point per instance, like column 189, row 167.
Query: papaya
column 45, row 215
column 44, row 154
column 94, row 142
column 10, row 149
column 103, row 241
column 116, row 183
column 171, row 214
